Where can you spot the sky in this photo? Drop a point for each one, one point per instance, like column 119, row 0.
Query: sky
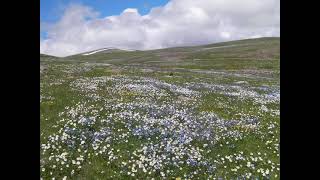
column 52, row 10
column 70, row 27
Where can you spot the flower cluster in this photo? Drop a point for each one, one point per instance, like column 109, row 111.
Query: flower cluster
column 146, row 127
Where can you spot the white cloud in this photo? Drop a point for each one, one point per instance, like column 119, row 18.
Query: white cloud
column 178, row 23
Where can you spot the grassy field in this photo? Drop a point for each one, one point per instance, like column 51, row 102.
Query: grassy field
column 204, row 112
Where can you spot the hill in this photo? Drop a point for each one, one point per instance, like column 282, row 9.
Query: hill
column 257, row 49
column 200, row 112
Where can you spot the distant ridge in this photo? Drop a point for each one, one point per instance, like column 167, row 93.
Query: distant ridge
column 47, row 56
column 265, row 48
column 226, row 43
column 44, row 55
column 206, row 47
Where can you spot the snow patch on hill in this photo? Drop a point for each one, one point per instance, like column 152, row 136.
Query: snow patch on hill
column 105, row 49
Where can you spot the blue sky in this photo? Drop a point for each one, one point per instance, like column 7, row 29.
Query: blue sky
column 52, row 10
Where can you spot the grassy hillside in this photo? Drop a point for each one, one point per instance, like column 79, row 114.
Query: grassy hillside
column 203, row 112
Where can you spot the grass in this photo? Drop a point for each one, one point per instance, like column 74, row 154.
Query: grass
column 199, row 113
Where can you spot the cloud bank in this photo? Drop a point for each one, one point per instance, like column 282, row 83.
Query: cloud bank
column 178, row 23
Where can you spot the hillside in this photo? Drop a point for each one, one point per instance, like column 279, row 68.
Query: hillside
column 44, row 57
column 200, row 112
column 263, row 48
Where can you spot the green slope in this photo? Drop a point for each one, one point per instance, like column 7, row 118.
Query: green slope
column 202, row 112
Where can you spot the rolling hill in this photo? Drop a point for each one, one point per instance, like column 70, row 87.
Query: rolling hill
column 200, row 112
